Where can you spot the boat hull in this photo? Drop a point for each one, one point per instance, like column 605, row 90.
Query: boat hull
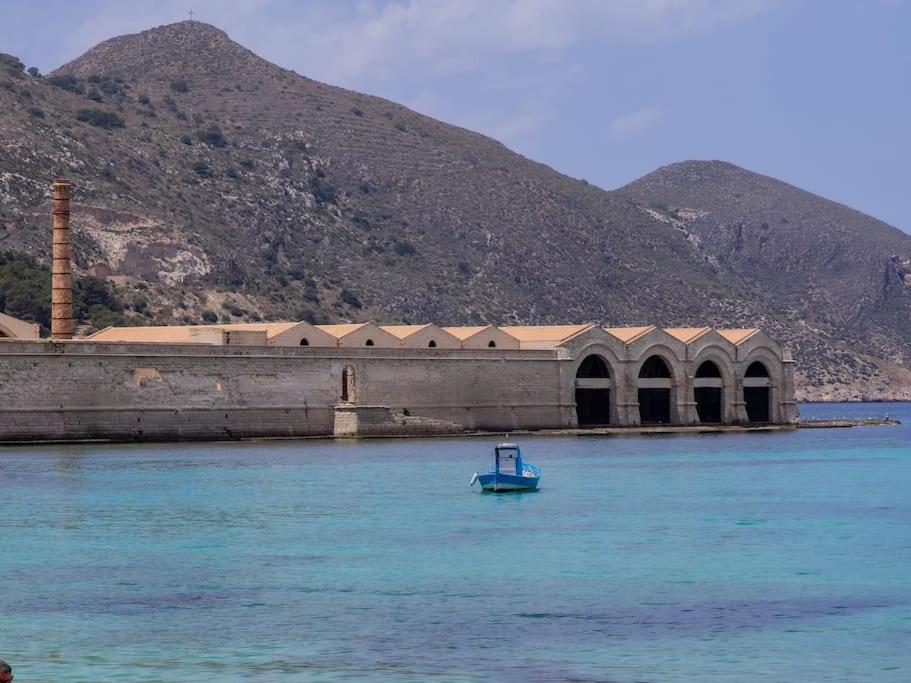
column 502, row 483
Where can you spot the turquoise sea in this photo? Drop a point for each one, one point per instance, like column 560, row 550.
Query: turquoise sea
column 714, row 557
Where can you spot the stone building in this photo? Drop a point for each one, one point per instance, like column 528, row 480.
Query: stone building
column 300, row 379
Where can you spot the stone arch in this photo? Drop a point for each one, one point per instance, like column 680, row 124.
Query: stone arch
column 593, row 395
column 654, row 390
column 757, row 391
column 349, row 385
column 304, row 341
column 715, row 390
column 658, row 396
column 491, row 344
column 432, row 344
column 369, row 342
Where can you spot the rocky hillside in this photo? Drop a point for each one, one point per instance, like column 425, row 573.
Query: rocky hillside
column 209, row 182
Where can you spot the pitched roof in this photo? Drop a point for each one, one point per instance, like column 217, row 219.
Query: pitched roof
column 464, row 333
column 686, row 334
column 183, row 333
column 629, row 334
column 545, row 333
column 739, row 335
column 403, row 331
column 339, row 331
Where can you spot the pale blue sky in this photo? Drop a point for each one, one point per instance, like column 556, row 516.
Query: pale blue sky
column 817, row 93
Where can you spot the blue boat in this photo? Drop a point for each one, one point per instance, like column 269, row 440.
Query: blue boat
column 510, row 473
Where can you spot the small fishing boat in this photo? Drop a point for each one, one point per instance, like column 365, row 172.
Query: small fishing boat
column 510, row 472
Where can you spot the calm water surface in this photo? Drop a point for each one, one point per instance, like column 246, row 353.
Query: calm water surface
column 772, row 557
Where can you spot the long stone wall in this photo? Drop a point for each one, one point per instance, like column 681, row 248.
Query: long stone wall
column 78, row 390
column 81, row 390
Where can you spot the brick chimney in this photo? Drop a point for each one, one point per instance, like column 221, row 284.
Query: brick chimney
column 61, row 268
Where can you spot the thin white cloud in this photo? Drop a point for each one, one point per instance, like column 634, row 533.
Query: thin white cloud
column 628, row 125
column 375, row 40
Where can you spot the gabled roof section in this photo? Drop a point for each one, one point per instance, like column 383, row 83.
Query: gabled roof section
column 184, row 333
column 558, row 334
column 687, row 334
column 404, row 331
column 629, row 334
column 463, row 333
column 739, row 335
column 339, row 331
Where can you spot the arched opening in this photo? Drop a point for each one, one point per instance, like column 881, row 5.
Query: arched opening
column 369, row 342
column 305, row 342
column 348, row 393
column 757, row 392
column 432, row 344
column 654, row 392
column 491, row 344
column 708, row 392
column 593, row 383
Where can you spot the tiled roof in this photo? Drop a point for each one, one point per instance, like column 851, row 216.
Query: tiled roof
column 629, row 334
column 738, row 336
column 686, row 334
column 545, row 333
column 403, row 331
column 464, row 333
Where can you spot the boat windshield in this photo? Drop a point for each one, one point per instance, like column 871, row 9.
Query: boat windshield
column 507, row 460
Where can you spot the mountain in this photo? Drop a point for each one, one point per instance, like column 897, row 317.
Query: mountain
column 209, row 181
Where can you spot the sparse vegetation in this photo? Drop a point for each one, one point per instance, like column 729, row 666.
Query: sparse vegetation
column 67, row 82
column 403, row 248
column 179, row 85
column 212, row 136
column 348, row 297
column 210, row 316
column 100, row 118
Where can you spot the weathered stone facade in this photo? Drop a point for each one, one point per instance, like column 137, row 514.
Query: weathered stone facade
column 146, row 391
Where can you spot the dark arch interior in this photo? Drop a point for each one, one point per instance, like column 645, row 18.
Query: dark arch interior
column 432, row 344
column 305, row 342
column 708, row 369
column 593, row 405
column 757, row 400
column 491, row 344
column 709, row 400
column 757, row 369
column 593, row 366
column 653, row 368
column 655, row 403
column 369, row 342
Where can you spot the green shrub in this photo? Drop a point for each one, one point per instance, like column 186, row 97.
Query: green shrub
column 212, row 136
column 67, row 82
column 100, row 118
column 180, row 85
column 403, row 248
column 33, row 71
column 203, row 170
column 209, row 316
column 11, row 62
column 35, row 112
column 348, row 297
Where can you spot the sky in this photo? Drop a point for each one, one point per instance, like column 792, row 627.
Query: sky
column 813, row 92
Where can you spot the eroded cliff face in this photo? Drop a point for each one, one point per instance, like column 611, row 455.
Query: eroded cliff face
column 207, row 179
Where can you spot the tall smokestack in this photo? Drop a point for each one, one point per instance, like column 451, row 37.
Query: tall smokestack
column 61, row 268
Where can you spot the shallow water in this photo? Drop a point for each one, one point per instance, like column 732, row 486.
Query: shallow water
column 715, row 557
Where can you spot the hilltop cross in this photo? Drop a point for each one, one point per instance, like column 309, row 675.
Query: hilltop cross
column 191, row 15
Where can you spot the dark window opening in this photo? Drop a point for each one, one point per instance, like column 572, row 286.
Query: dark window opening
column 593, row 407
column 369, row 342
column 708, row 404
column 491, row 345
column 305, row 342
column 345, row 384
column 757, row 403
column 432, row 344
